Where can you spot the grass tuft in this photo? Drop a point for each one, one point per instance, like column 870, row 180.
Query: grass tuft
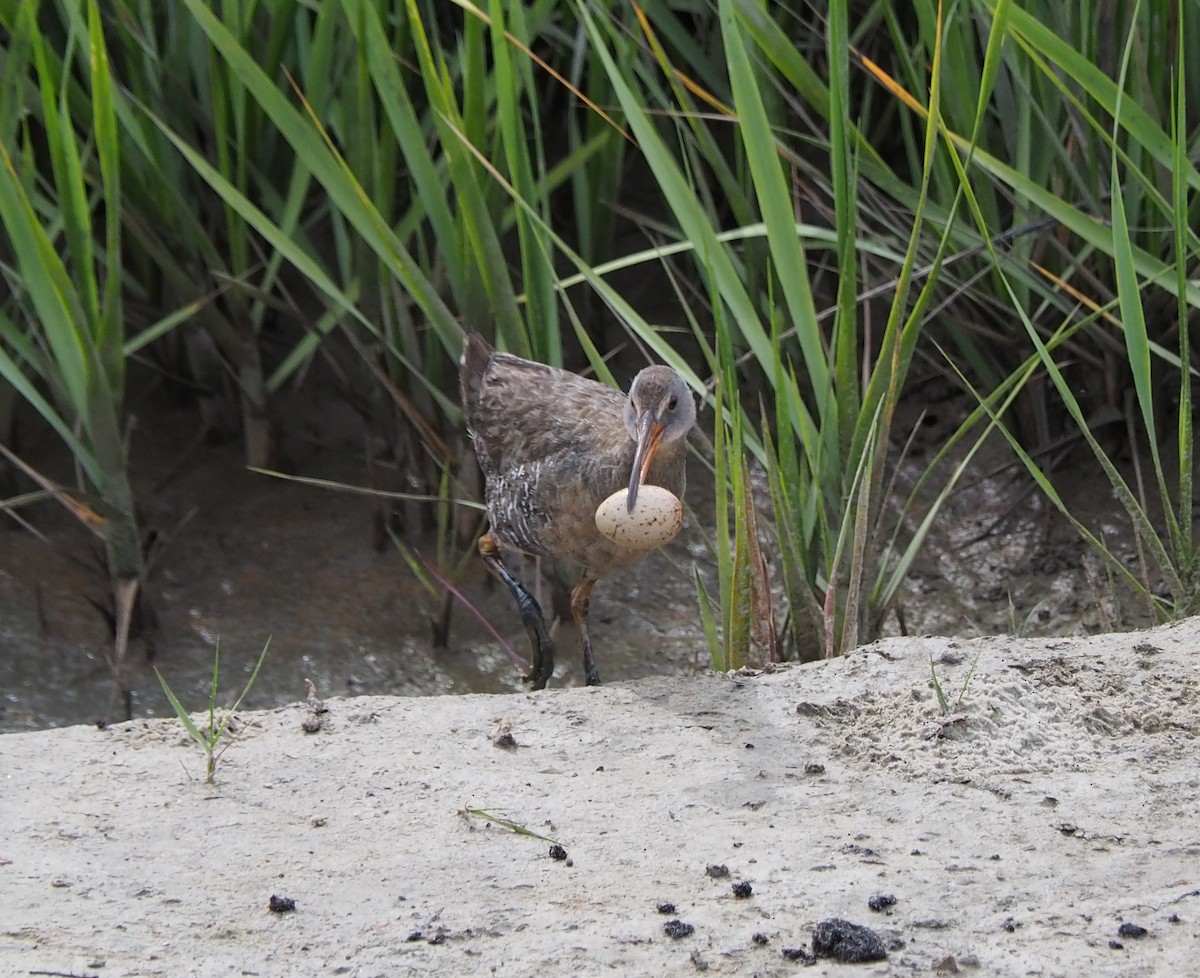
column 212, row 737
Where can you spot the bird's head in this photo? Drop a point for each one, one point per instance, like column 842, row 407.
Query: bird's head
column 660, row 410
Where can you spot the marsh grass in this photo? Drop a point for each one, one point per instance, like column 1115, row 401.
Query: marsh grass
column 1166, row 574
column 995, row 192
column 63, row 338
column 944, row 704
column 217, row 735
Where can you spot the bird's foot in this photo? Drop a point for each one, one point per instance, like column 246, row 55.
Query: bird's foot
column 581, row 596
column 590, row 672
column 542, row 666
column 540, row 673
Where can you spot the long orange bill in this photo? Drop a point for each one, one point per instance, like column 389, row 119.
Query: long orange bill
column 649, row 435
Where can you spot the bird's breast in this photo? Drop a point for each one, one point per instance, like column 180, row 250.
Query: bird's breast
column 547, row 507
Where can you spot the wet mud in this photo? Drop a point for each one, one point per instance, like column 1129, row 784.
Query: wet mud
column 247, row 558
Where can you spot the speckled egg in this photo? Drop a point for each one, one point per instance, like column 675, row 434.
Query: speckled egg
column 657, row 518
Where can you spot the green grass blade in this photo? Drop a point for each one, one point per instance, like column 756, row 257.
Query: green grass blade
column 262, row 656
column 111, row 321
column 188, row 724
column 296, row 255
column 1133, row 319
column 1023, row 26
column 774, row 202
column 1179, row 201
column 846, row 390
column 493, row 296
column 681, row 198
column 331, row 172
column 366, row 22
column 521, row 138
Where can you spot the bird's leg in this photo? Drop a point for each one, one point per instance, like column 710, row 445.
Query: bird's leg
column 531, row 613
column 581, row 596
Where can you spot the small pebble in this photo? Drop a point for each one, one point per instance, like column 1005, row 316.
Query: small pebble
column 881, row 901
column 1116, row 945
column 716, row 870
column 1131, row 930
column 814, row 767
column 558, row 852
column 798, row 954
column 666, row 907
column 678, row 929
column 760, row 938
column 502, row 736
column 742, row 890
column 278, row 904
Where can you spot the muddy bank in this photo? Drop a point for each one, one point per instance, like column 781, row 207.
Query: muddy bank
column 1018, row 832
column 251, row 558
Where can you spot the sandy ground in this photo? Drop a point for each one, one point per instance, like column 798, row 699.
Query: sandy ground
column 1057, row 801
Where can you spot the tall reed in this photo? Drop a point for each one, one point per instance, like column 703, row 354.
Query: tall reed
column 61, row 224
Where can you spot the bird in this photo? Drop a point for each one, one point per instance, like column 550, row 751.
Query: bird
column 552, row 445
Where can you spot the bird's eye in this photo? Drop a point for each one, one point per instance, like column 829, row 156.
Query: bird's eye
column 672, row 403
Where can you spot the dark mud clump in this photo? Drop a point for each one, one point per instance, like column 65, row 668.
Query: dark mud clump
column 844, row 941
column 678, row 929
